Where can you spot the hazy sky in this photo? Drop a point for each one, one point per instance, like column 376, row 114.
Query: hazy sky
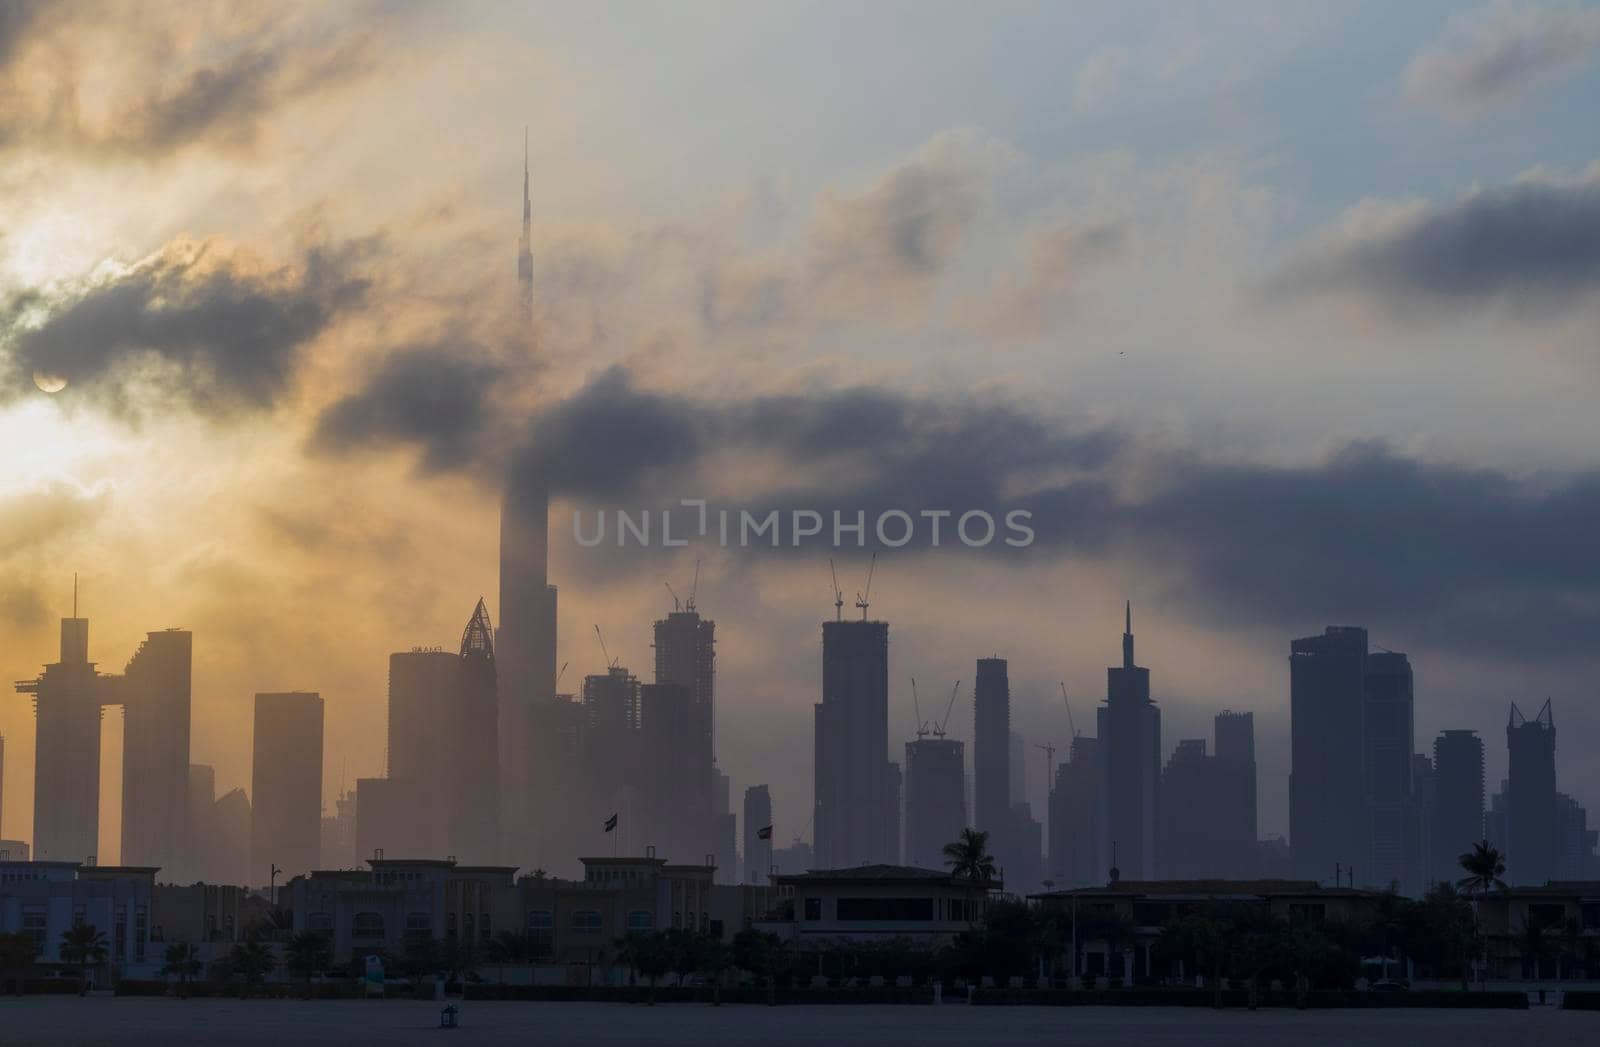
column 1276, row 315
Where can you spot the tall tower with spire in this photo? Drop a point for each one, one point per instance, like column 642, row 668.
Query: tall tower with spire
column 1129, row 725
column 525, row 247
column 525, row 646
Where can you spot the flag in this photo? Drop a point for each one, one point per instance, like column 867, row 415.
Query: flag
column 764, row 833
column 611, row 823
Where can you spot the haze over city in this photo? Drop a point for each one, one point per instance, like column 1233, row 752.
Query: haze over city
column 1271, row 321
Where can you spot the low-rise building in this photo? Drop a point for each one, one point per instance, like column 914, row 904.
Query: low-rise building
column 46, row 899
column 1140, row 909
column 875, row 902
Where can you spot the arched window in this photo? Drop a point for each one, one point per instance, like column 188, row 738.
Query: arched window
column 367, row 925
column 587, row 920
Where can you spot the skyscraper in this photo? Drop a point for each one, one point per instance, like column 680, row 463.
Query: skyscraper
column 1327, row 787
column 535, row 752
column 475, row 809
column 1458, row 798
column 757, row 850
column 154, row 691
column 1394, row 853
column 991, row 754
column 936, row 809
column 1129, row 725
column 686, row 654
column 1074, row 816
column 855, row 807
column 1234, row 737
column 1533, row 830
column 286, row 785
column 66, row 763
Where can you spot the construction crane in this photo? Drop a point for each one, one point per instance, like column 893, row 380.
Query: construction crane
column 838, row 597
column 861, row 597
column 938, row 732
column 611, row 663
column 676, row 605
column 694, row 586
column 561, row 672
column 1049, row 763
column 1068, row 704
column 922, row 725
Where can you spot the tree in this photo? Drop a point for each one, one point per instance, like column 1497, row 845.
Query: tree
column 252, row 960
column 649, row 955
column 508, row 947
column 17, row 952
column 308, row 953
column 83, row 945
column 1484, row 866
column 1534, row 946
column 183, row 962
column 969, row 857
column 715, row 959
column 969, row 860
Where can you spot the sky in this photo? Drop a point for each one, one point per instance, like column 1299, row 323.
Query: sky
column 1274, row 315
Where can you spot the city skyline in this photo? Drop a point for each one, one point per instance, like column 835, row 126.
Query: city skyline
column 310, row 503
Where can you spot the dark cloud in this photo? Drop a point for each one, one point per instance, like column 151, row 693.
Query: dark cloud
column 436, row 395
column 17, row 17
column 1534, row 243
column 205, row 329
column 21, row 605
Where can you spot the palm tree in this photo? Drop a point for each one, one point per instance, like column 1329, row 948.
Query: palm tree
column 508, row 947
column 715, row 959
column 1484, row 866
column 83, row 945
column 307, row 953
column 183, row 960
column 969, row 859
column 253, row 960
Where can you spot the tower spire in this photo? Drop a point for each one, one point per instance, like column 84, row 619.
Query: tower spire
column 525, row 244
column 1127, row 635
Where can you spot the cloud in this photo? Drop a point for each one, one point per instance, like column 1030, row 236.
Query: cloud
column 47, row 512
column 1060, row 260
column 1534, row 243
column 1490, row 57
column 190, row 322
column 889, row 245
column 436, row 395
column 113, row 80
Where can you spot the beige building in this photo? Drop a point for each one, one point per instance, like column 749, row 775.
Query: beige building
column 875, row 902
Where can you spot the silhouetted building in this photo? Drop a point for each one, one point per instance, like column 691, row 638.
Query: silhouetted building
column 338, row 849
column 228, row 851
column 757, row 848
column 539, row 770
column 1424, row 788
column 1188, row 811
column 66, row 762
column 1129, row 726
column 935, row 799
column 1234, row 737
column 286, row 785
column 1074, row 817
column 686, row 654
column 1457, row 809
column 856, row 806
column 1533, row 832
column 991, row 754
column 1328, row 823
column 1394, row 854
column 474, row 813
column 1025, row 869
column 672, row 788
column 154, row 693
column 1576, row 860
